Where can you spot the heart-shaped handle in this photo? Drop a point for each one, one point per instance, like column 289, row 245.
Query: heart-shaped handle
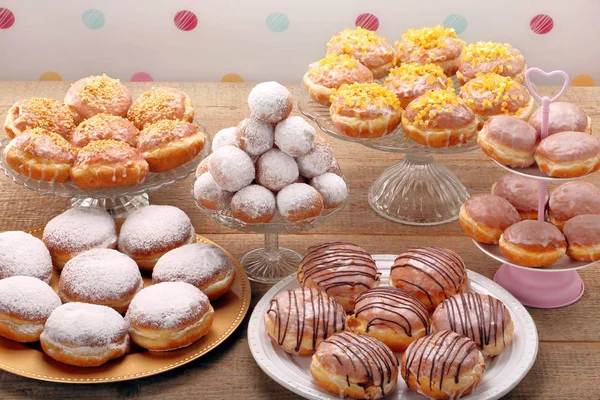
column 532, row 89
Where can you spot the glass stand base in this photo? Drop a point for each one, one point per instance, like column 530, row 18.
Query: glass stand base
column 272, row 263
column 118, row 207
column 418, row 191
column 541, row 289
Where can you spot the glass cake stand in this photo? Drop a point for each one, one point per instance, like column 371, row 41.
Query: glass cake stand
column 118, row 201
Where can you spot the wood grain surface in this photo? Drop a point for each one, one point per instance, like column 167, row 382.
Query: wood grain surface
column 568, row 363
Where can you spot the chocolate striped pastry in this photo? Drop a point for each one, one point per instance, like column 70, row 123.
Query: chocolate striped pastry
column 355, row 366
column 342, row 269
column 431, row 274
column 483, row 318
column 444, row 365
column 300, row 319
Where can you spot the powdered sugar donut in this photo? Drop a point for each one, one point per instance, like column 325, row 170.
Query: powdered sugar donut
column 168, row 316
column 203, row 265
column 294, row 136
column 254, row 136
column 25, row 255
column 85, row 335
column 317, row 161
column 78, row 230
column 100, row 276
column 209, row 194
column 299, row 201
column 231, row 168
column 254, row 204
column 270, row 102
column 25, row 305
column 332, row 188
column 225, row 137
column 275, row 170
column 149, row 233
column 202, row 167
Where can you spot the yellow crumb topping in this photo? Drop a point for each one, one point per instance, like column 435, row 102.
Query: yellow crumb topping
column 36, row 134
column 433, row 103
column 48, row 112
column 357, row 39
column 428, row 38
column 103, row 145
column 482, row 52
column 97, row 122
column 157, row 101
column 411, row 72
column 165, row 130
column 362, row 95
column 336, row 62
column 497, row 86
column 99, row 91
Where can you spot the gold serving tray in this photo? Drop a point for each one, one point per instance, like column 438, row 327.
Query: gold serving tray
column 28, row 359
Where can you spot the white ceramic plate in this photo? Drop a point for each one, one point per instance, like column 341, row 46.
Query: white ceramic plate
column 502, row 373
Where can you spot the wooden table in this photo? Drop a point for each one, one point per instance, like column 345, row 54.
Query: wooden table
column 568, row 363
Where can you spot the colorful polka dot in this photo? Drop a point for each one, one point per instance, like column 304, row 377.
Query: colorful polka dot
column 367, row 21
column 232, row 78
column 141, row 77
column 583, row 80
column 185, row 20
column 457, row 22
column 93, row 18
column 7, row 18
column 541, row 24
column 50, row 76
column 277, row 22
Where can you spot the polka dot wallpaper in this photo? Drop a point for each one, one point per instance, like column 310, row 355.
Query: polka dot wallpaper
column 228, row 41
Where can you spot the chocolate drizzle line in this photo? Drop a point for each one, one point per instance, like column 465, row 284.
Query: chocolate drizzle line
column 328, row 316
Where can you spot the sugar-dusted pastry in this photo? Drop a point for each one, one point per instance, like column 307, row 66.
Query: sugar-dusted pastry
column 533, row 243
column 484, row 217
column 224, row 137
column 208, row 193
column 254, row 204
column 254, row 136
column 484, row 57
column 298, row 320
column 160, row 103
column 391, row 315
column 317, row 161
column 411, row 80
column 270, row 102
column 25, row 255
column 332, row 187
column 342, row 269
column 508, row 140
column 294, row 136
column 583, row 237
column 521, row 192
column 275, row 170
column 563, row 117
column 572, row 199
column 439, row 119
column 332, row 72
column 39, row 112
column 568, row 154
column 231, row 168
column 365, row 110
column 431, row 274
column 298, row 202
column 355, row 366
column 438, row 45
column 98, row 94
column 371, row 50
column 103, row 127
column 203, row 166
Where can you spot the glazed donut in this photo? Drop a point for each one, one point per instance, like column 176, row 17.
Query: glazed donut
column 270, row 102
column 521, row 192
column 294, row 136
column 108, row 163
column 437, row 45
column 355, row 366
column 275, row 170
column 482, row 318
column 533, row 243
column 39, row 112
column 160, row 103
column 168, row 143
column 485, row 57
column 572, row 199
column 98, row 94
column 169, row 316
column 568, row 154
column 583, row 237
column 103, row 127
column 409, row 81
column 563, row 117
column 299, row 320
column 390, row 315
column 202, row 167
column 149, row 233
column 224, row 137
column 332, row 72
column 332, row 187
column 298, row 202
column 25, row 305
column 100, row 276
column 254, row 204
column 231, row 168
column 254, row 136
column 85, row 335
column 444, row 365
column 492, row 94
column 77, row 230
column 372, row 51
column 317, row 161
column 431, row 274
column 484, row 217
column 25, row 255
column 209, row 194
column 439, row 119
column 41, row 155
column 365, row 110
column 342, row 269
column 508, row 140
